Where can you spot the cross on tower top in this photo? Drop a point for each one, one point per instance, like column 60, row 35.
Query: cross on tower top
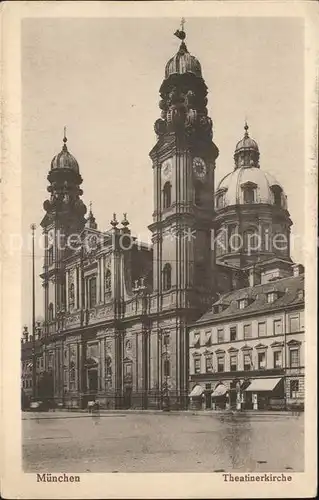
column 181, row 33
column 64, row 135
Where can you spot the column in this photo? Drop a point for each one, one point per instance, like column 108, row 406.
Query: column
column 79, row 284
column 75, row 281
column 85, row 294
column 98, row 282
column 102, row 278
column 67, row 289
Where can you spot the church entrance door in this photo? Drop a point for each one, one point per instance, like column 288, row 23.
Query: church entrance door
column 127, row 397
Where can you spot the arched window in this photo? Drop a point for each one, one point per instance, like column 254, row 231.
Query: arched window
column 249, row 192
column 198, row 194
column 167, row 195
column 277, row 191
column 220, row 200
column 107, row 281
column 167, row 367
column 50, row 255
column 50, row 312
column 167, row 277
column 71, row 296
column 92, row 292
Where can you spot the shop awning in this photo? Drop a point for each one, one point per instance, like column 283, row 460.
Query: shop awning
column 196, row 391
column 219, row 391
column 263, row 384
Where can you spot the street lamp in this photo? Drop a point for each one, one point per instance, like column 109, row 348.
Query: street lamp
column 141, row 288
column 166, row 374
column 34, row 367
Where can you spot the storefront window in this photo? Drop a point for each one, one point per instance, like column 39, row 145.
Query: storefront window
column 294, row 358
column 277, row 327
column 294, row 325
column 261, row 361
column 220, row 335
column 277, row 359
column 294, row 388
column 233, row 363
column 220, row 363
column 209, row 364
column 247, row 331
column 233, row 333
column 197, row 365
column 262, row 329
column 247, row 362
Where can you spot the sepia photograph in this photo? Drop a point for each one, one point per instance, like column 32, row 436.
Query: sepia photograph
column 163, row 247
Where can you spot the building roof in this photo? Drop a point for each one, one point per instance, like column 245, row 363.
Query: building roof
column 287, row 289
column 248, row 172
column 183, row 62
column 233, row 182
column 64, row 160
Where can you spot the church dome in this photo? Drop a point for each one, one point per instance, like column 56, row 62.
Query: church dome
column 183, row 62
column 64, row 160
column 248, row 183
column 246, row 143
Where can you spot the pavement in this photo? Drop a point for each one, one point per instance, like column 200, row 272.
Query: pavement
column 156, row 441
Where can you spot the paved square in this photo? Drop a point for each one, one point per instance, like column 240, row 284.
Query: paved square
column 162, row 442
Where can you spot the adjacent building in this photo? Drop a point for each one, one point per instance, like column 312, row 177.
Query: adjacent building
column 248, row 351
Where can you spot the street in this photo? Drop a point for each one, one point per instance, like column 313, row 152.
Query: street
column 162, row 442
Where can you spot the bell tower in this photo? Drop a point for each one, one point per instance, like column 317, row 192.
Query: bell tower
column 183, row 165
column 63, row 221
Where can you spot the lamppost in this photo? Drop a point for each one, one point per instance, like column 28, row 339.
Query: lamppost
column 166, row 373
column 60, row 318
column 34, row 366
column 141, row 288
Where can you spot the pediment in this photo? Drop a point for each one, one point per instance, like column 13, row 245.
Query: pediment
column 220, row 351
column 232, row 349
column 261, row 346
column 277, row 344
column 293, row 342
column 246, row 348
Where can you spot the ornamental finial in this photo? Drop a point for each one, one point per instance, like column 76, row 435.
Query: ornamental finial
column 64, row 138
column 181, row 33
column 114, row 221
column 246, row 128
column 125, row 222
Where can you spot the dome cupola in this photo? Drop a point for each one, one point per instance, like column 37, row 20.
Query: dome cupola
column 64, row 159
column 248, row 183
column 183, row 61
column 246, row 151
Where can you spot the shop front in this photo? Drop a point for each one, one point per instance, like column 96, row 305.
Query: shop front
column 220, row 397
column 260, row 392
column 197, row 398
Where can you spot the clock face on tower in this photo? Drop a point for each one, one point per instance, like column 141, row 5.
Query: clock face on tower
column 199, row 168
column 167, row 169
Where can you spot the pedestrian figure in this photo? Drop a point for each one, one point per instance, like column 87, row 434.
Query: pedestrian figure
column 96, row 412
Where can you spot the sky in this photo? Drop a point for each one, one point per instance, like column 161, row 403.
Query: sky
column 101, row 77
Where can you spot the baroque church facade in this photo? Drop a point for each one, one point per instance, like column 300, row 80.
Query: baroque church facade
column 118, row 312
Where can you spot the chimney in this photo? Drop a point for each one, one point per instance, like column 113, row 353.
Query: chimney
column 254, row 277
column 297, row 269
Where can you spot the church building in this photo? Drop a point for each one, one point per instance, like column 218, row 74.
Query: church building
column 119, row 313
